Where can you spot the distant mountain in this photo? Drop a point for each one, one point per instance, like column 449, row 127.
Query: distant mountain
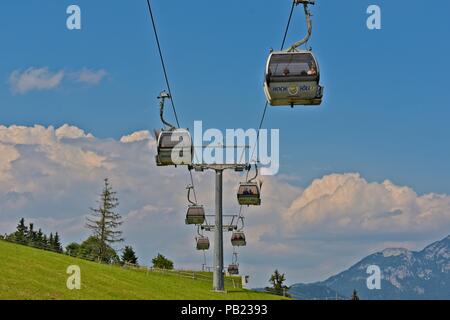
column 404, row 275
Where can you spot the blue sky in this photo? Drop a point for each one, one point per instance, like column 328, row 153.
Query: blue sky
column 385, row 113
column 382, row 116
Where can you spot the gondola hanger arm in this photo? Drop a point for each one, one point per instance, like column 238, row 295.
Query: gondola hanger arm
column 189, row 188
column 162, row 97
column 241, row 219
column 198, row 231
column 256, row 174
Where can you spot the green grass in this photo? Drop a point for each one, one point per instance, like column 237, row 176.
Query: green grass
column 28, row 273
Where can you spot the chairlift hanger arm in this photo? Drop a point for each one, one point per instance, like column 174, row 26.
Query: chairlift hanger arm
column 308, row 15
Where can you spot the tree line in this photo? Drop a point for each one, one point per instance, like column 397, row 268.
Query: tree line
column 103, row 222
column 27, row 235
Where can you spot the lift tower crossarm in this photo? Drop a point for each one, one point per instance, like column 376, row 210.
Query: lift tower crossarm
column 218, row 268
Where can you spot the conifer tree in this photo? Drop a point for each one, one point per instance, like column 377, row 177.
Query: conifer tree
column 40, row 239
column 31, row 236
column 355, row 295
column 45, row 244
column 20, row 236
column 56, row 243
column 50, row 242
column 129, row 256
column 104, row 222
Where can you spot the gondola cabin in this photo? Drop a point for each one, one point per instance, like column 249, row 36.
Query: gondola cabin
column 195, row 215
column 202, row 243
column 238, row 239
column 174, row 148
column 233, row 269
column 249, row 194
column 292, row 78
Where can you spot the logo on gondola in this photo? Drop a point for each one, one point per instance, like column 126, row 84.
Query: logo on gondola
column 293, row 90
column 305, row 88
column 279, row 89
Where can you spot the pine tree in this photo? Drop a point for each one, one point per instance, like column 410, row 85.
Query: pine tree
column 277, row 280
column 57, row 244
column 40, row 239
column 20, row 236
column 50, row 242
column 45, row 244
column 104, row 222
column 129, row 256
column 31, row 236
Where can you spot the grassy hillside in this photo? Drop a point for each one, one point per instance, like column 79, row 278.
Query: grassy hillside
column 28, row 273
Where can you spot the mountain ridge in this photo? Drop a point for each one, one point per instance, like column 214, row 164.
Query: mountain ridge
column 405, row 274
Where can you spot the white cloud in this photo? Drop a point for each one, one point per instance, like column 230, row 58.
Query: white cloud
column 37, row 135
column 92, row 77
column 54, row 175
column 8, row 155
column 35, row 79
column 136, row 136
column 343, row 203
column 42, row 79
column 71, row 132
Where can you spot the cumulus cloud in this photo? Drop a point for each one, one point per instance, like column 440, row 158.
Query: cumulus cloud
column 53, row 176
column 8, row 155
column 343, row 203
column 71, row 132
column 92, row 77
column 136, row 136
column 35, row 79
